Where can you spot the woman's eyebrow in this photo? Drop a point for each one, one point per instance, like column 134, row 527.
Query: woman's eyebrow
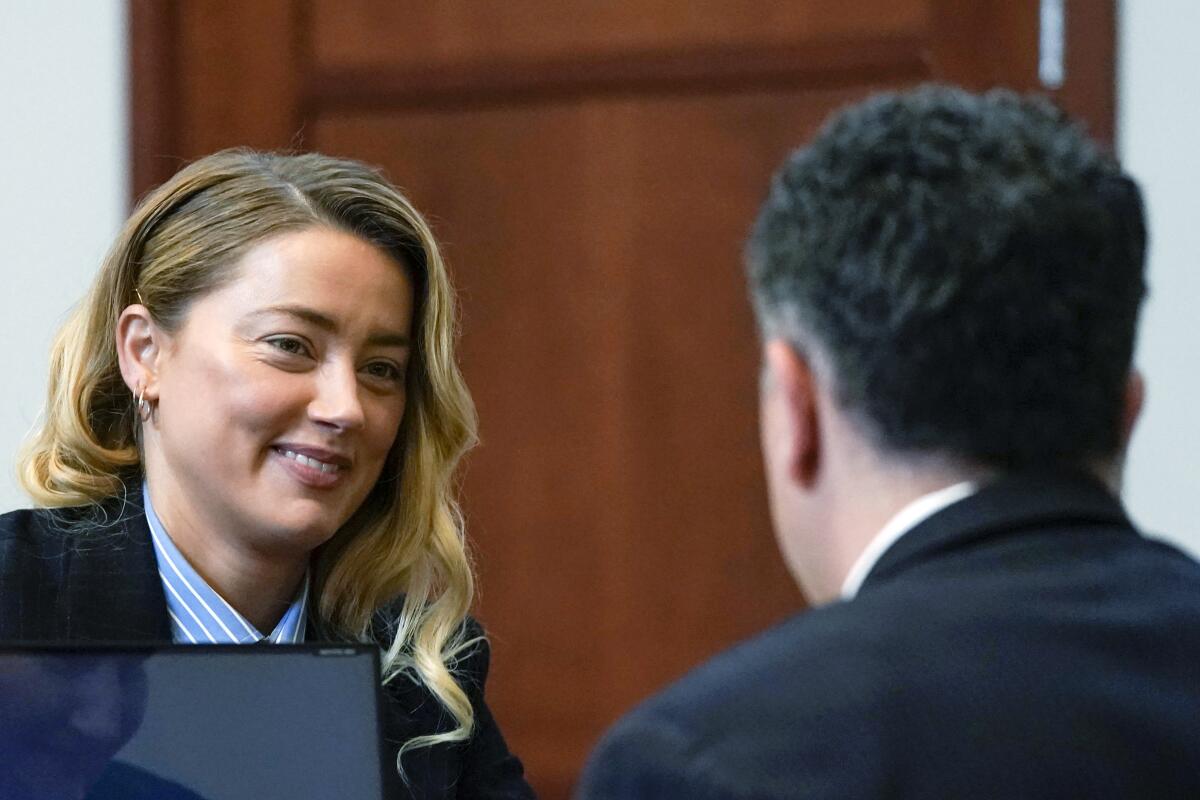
column 310, row 315
column 328, row 323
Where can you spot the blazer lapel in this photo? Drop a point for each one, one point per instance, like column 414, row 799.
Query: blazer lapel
column 1030, row 499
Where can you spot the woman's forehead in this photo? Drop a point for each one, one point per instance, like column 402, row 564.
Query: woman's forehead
column 329, row 273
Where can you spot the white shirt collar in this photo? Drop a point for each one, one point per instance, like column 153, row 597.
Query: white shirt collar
column 904, row 521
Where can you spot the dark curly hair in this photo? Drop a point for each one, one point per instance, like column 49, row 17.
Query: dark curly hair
column 971, row 268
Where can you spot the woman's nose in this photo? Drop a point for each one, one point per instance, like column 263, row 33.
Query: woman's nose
column 336, row 401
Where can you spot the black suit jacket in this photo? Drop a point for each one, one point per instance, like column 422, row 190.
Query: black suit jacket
column 1025, row 642
column 90, row 574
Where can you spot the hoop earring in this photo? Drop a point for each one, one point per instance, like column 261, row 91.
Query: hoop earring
column 144, row 409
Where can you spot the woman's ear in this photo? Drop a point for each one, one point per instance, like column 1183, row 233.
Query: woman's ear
column 139, row 347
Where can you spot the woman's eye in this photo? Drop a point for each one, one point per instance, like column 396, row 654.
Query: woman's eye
column 384, row 370
column 289, row 344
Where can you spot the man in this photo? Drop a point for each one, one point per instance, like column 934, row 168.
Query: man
column 63, row 719
column 948, row 287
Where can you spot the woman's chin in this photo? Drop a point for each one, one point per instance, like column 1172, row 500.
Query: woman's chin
column 297, row 526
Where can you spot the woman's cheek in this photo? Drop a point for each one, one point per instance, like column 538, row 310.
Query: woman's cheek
column 268, row 402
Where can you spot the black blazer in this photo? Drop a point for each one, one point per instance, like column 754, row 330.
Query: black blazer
column 90, row 574
column 1025, row 642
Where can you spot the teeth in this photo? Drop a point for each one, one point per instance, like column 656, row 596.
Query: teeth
column 310, row 462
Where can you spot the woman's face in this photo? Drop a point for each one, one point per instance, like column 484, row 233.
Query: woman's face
column 280, row 396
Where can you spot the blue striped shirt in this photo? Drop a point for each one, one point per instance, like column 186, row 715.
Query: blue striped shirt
column 199, row 615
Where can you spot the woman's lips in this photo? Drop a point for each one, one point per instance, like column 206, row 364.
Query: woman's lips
column 311, row 470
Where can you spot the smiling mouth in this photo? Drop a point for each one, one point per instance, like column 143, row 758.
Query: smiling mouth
column 309, row 461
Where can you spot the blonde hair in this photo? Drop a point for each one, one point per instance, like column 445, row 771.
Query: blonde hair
column 184, row 240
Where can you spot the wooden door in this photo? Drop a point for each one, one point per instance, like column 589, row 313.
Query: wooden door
column 592, row 169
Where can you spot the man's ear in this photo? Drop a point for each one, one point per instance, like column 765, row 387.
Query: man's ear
column 1135, row 398
column 795, row 383
column 139, row 346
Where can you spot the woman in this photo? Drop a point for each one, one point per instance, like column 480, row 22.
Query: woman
column 252, row 427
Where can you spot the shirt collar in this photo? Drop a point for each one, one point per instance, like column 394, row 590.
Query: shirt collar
column 199, row 615
column 901, row 523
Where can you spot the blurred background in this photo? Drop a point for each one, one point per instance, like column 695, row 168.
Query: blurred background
column 592, row 168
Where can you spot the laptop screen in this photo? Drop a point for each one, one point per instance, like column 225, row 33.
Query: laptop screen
column 181, row 723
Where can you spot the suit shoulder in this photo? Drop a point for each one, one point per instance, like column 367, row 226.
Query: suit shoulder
column 34, row 531
column 53, row 529
column 743, row 716
column 812, row 643
column 23, row 524
column 31, row 559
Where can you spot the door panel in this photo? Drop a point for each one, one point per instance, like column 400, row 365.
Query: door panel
column 383, row 33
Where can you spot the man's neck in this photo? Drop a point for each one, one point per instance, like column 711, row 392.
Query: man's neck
column 870, row 497
column 903, row 521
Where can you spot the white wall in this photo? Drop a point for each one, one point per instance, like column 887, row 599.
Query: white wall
column 1158, row 133
column 63, row 168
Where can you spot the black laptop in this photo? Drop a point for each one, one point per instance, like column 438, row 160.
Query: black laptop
column 187, row 722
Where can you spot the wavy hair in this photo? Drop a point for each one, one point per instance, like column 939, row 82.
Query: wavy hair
column 184, row 240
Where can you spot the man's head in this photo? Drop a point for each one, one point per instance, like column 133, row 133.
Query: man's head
column 958, row 278
column 63, row 717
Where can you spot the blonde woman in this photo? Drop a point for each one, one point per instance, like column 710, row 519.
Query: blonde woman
column 257, row 406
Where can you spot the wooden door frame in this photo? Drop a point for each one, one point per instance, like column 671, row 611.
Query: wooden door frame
column 1089, row 90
